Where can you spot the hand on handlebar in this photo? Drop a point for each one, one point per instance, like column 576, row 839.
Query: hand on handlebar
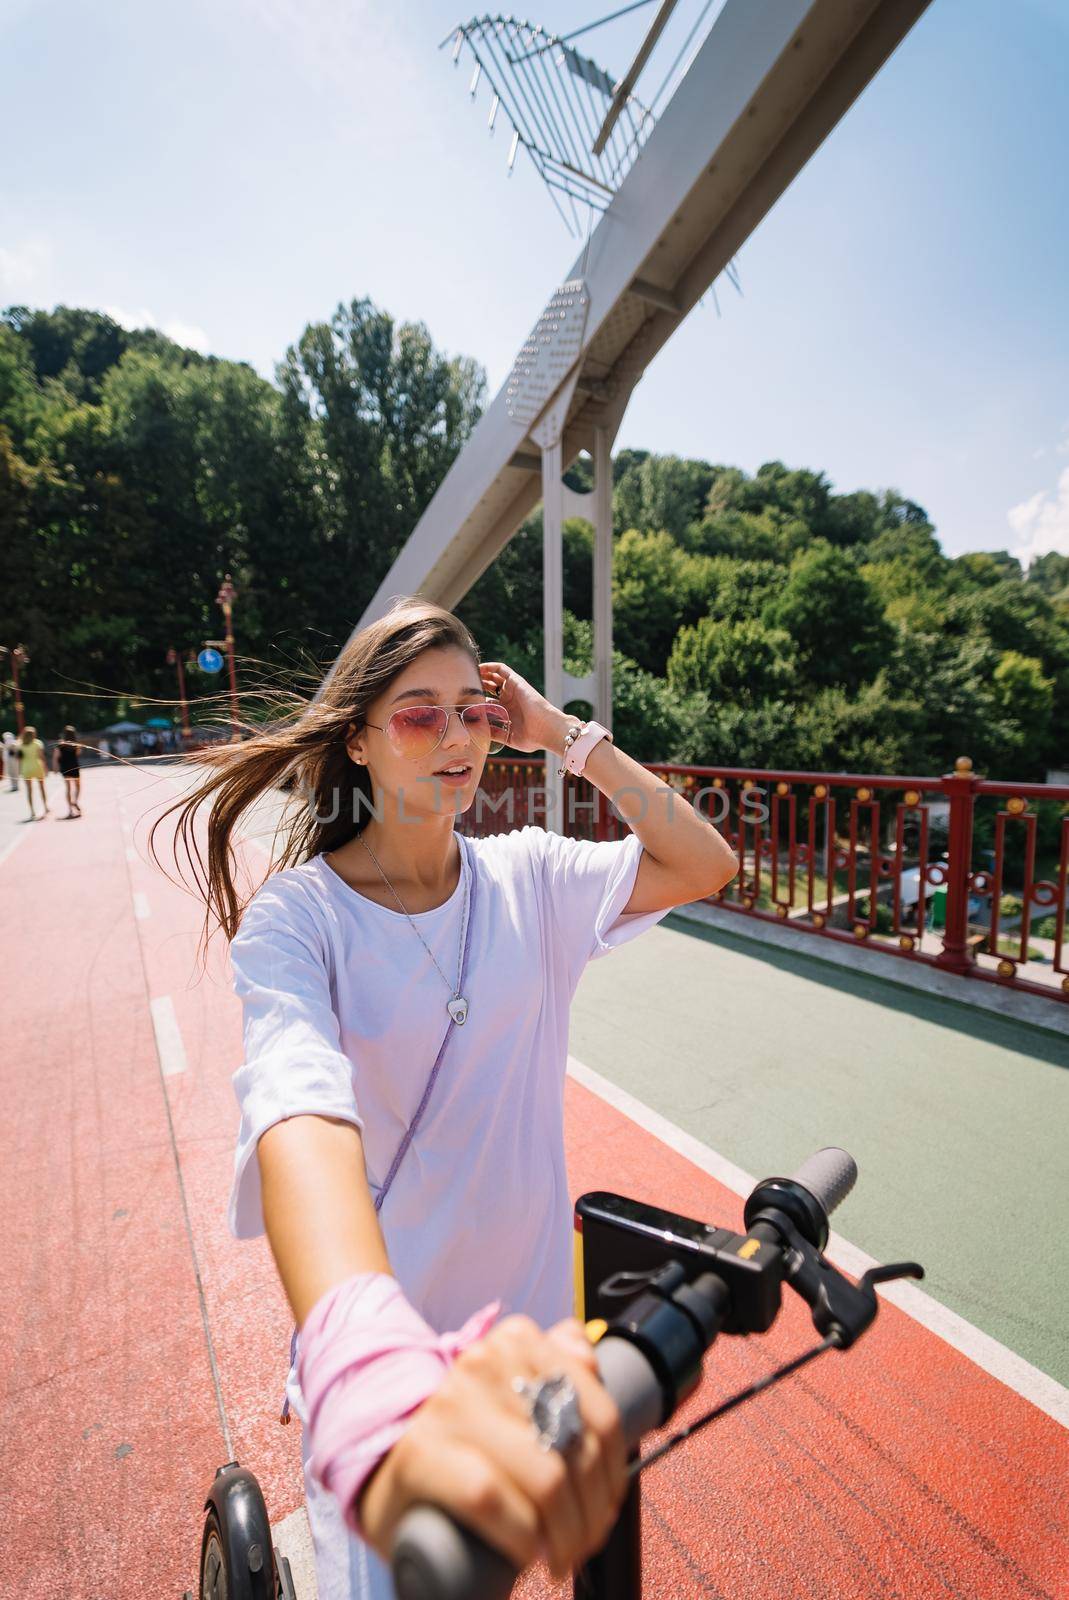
column 471, row 1450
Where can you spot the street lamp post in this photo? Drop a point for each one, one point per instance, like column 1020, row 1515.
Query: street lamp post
column 174, row 659
column 19, row 656
column 226, row 597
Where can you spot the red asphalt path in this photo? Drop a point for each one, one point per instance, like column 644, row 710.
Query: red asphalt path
column 135, row 1324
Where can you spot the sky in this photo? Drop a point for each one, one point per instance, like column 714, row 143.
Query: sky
column 231, row 170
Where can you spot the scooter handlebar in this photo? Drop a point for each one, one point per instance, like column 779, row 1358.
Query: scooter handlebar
column 436, row 1558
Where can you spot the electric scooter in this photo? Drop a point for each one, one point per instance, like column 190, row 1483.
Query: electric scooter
column 659, row 1289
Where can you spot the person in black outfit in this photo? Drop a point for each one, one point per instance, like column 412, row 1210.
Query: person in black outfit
column 65, row 761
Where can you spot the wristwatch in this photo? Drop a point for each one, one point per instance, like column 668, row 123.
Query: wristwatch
column 578, row 743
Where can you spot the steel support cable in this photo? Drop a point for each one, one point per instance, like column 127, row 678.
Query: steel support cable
column 537, row 134
column 619, row 148
column 503, row 91
column 573, row 169
column 554, row 180
column 588, row 88
column 533, row 94
column 557, row 89
column 630, row 142
column 544, row 117
column 570, row 106
column 627, row 142
column 622, row 92
column 616, row 150
column 608, row 161
column 523, row 115
column 550, row 185
column 540, row 95
column 702, row 14
column 582, row 118
column 561, row 108
column 600, row 23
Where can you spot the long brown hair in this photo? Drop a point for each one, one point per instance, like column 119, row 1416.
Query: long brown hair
column 303, row 750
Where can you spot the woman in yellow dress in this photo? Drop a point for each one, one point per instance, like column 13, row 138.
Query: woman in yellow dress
column 33, row 767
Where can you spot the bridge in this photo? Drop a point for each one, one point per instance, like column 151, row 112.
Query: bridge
column 144, row 1346
column 770, row 81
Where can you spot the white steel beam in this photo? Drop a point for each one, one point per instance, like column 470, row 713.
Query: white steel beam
column 771, row 80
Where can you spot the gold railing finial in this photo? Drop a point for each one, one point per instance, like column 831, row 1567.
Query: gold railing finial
column 963, row 764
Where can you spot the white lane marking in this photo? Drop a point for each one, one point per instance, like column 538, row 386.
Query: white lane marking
column 141, row 906
column 292, row 1538
column 169, row 1046
column 11, row 845
column 131, row 855
column 1044, row 1392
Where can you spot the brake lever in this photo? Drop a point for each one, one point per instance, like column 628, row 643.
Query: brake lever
column 841, row 1310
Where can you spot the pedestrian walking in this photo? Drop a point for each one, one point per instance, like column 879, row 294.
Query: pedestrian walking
column 65, row 761
column 340, row 960
column 11, row 760
column 32, row 753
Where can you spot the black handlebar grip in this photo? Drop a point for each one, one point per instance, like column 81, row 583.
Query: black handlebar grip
column 434, row 1558
column 829, row 1177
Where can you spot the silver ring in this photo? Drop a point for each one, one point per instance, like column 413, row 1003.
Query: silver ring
column 553, row 1407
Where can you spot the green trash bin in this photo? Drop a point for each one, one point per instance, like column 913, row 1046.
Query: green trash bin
column 937, row 909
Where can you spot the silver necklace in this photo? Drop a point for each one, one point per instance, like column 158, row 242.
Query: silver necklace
column 456, row 1005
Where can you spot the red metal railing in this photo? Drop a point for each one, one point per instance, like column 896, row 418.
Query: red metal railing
column 959, row 872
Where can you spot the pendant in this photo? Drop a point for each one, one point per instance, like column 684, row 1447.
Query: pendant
column 458, row 1009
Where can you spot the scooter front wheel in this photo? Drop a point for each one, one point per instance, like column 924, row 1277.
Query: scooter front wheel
column 237, row 1557
column 214, row 1584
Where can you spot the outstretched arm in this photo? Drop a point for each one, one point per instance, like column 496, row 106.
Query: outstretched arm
column 318, row 1211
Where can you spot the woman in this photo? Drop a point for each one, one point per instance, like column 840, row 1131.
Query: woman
column 65, row 761
column 32, row 761
column 11, row 760
column 384, row 939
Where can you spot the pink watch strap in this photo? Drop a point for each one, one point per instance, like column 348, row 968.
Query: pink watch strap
column 575, row 760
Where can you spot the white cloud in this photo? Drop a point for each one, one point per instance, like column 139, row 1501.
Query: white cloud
column 1041, row 523
column 22, row 267
column 183, row 333
column 189, row 335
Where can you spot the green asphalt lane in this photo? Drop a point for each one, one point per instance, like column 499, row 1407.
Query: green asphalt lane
column 958, row 1119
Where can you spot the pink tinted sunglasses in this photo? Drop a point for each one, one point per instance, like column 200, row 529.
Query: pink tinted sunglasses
column 416, row 731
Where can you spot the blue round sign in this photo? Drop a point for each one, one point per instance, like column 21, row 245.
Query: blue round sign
column 210, row 661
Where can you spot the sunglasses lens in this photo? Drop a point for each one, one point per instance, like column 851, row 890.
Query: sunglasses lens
column 488, row 725
column 416, row 730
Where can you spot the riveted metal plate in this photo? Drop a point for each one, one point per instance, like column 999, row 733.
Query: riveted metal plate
column 549, row 354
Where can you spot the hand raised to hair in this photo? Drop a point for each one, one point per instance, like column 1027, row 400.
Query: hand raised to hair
column 536, row 724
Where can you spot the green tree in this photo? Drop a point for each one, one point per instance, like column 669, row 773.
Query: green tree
column 661, row 493
column 744, row 662
column 1024, row 699
column 657, row 588
column 391, row 414
column 834, row 617
column 1050, row 573
column 739, row 589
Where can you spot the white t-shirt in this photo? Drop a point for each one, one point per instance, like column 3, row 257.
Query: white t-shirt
column 344, row 1012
